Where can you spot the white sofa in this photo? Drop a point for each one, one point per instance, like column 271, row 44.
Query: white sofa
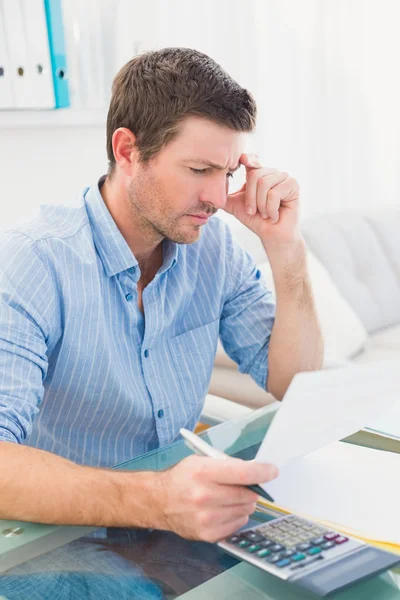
column 354, row 264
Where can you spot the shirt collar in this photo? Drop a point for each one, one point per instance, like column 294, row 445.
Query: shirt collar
column 111, row 245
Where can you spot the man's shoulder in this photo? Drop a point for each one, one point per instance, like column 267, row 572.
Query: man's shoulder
column 52, row 222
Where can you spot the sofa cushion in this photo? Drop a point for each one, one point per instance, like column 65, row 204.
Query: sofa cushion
column 217, row 410
column 386, row 225
column 362, row 255
column 238, row 387
column 344, row 334
column 384, row 345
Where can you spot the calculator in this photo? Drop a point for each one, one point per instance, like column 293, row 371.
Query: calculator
column 307, row 554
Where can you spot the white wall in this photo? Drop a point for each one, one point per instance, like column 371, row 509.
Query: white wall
column 324, row 73
column 49, row 165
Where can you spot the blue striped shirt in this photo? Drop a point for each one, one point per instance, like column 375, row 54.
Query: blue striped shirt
column 83, row 373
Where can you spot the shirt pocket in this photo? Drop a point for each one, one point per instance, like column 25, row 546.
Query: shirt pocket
column 193, row 354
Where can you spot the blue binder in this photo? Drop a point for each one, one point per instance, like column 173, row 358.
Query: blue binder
column 55, row 31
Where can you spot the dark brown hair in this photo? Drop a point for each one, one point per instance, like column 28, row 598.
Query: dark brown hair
column 154, row 91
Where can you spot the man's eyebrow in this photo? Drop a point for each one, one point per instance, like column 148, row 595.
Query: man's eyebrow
column 213, row 165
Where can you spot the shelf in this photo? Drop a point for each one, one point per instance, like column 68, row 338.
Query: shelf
column 61, row 117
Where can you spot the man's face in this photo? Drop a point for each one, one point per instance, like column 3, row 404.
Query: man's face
column 176, row 192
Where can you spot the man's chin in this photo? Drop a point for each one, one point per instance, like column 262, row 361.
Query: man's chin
column 187, row 235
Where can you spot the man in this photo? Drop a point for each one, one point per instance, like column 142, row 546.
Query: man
column 110, row 312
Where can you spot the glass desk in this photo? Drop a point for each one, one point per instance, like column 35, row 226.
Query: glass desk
column 40, row 561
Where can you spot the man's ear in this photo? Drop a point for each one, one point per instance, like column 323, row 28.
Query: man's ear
column 125, row 151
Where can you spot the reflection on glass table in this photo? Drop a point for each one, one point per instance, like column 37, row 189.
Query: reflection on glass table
column 39, row 561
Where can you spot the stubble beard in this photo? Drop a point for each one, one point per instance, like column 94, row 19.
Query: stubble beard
column 156, row 227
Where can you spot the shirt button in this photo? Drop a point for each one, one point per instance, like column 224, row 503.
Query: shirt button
column 129, row 297
column 131, row 270
column 160, row 413
column 146, row 353
column 258, row 274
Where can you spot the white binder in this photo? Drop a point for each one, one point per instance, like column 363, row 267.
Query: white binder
column 38, row 54
column 6, row 89
column 17, row 53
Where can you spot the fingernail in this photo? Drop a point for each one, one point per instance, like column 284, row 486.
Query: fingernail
column 274, row 221
column 264, row 215
column 250, row 210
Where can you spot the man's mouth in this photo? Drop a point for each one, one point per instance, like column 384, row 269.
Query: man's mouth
column 201, row 217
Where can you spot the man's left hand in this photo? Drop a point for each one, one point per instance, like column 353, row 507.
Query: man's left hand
column 268, row 203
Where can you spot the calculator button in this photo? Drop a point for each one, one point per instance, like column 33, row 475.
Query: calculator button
column 341, row 539
column 276, row 548
column 253, row 548
column 318, row 541
column 279, row 538
column 266, row 543
column 328, row 545
column 315, row 550
column 252, row 536
column 287, row 553
column 304, row 546
column 233, row 539
column 244, row 543
column 298, row 556
column 331, row 536
column 301, row 565
column 263, row 553
column 283, row 563
column 274, row 558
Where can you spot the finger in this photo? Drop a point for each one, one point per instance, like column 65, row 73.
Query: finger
column 250, row 161
column 233, row 495
column 223, row 531
column 236, row 512
column 240, row 472
column 277, row 195
column 218, row 517
column 263, row 187
column 252, row 179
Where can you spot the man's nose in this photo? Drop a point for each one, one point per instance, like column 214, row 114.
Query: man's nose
column 216, row 194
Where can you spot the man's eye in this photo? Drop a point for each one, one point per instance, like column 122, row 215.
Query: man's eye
column 199, row 171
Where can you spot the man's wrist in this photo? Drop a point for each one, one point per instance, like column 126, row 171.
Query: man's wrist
column 287, row 255
column 140, row 499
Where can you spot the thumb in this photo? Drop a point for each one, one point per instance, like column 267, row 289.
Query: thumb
column 233, row 198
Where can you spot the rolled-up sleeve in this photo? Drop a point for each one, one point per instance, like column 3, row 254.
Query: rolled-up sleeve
column 28, row 314
column 248, row 315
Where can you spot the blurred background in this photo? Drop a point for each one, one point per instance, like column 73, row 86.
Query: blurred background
column 324, row 74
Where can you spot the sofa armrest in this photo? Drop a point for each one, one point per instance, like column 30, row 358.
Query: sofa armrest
column 218, row 410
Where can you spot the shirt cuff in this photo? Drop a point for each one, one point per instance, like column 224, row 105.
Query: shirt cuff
column 258, row 367
column 7, row 436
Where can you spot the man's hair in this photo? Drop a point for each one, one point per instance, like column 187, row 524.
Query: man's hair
column 155, row 91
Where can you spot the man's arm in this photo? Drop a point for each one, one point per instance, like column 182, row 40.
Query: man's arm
column 296, row 342
column 198, row 498
column 268, row 204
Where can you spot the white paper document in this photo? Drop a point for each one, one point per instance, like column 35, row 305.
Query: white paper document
column 325, row 406
column 351, row 486
column 388, row 424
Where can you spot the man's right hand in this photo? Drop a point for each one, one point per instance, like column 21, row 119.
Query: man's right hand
column 205, row 499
